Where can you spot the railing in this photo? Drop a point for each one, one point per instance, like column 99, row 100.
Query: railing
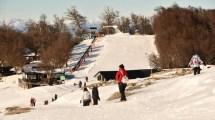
column 82, row 59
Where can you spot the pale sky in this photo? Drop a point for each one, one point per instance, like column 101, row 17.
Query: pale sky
column 92, row 9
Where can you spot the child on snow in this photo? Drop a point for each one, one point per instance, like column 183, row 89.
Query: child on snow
column 33, row 102
column 195, row 63
column 86, row 98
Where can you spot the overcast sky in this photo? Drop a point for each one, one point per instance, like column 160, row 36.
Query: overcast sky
column 92, row 9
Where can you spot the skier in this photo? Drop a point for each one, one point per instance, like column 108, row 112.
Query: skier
column 33, row 102
column 122, row 86
column 195, row 63
column 95, row 95
column 86, row 98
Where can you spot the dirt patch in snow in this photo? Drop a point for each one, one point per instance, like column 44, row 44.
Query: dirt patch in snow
column 117, row 95
column 16, row 110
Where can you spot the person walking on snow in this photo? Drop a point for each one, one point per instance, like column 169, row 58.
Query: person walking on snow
column 119, row 75
column 33, row 102
column 195, row 63
column 86, row 78
column 55, row 96
column 80, row 84
column 95, row 95
column 86, row 98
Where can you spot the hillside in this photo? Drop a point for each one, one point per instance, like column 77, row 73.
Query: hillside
column 186, row 97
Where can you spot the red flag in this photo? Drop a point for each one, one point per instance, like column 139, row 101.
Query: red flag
column 81, row 63
column 76, row 68
column 87, row 53
column 84, row 58
column 71, row 71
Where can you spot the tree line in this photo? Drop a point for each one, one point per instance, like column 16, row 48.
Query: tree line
column 182, row 32
column 133, row 24
column 179, row 33
column 54, row 42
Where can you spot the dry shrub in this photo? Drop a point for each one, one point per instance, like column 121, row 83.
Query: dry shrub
column 133, row 86
column 181, row 32
column 16, row 110
column 102, row 83
column 117, row 95
column 147, row 82
column 182, row 72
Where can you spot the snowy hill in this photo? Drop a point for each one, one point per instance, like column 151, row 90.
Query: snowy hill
column 187, row 97
column 111, row 51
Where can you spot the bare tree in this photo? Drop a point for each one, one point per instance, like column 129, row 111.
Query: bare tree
column 52, row 58
column 145, row 24
column 12, row 47
column 59, row 24
column 124, row 24
column 135, row 21
column 109, row 15
column 40, row 35
column 77, row 19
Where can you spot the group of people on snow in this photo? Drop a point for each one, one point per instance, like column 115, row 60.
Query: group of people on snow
column 33, row 101
column 195, row 63
column 80, row 83
column 86, row 98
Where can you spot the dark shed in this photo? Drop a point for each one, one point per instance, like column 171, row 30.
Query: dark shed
column 132, row 74
column 4, row 71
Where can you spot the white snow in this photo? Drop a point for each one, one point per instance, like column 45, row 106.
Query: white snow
column 187, row 97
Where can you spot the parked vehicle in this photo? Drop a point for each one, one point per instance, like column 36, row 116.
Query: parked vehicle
column 5, row 71
column 57, row 78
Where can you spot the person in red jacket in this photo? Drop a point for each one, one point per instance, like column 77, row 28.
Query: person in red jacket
column 122, row 86
column 33, row 102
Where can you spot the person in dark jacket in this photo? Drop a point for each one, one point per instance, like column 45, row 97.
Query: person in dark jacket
column 122, row 86
column 55, row 96
column 46, row 102
column 80, row 84
column 86, row 78
column 95, row 95
column 85, row 84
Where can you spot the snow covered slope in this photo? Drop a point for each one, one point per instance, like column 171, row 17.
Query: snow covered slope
column 184, row 98
column 187, row 97
column 112, row 50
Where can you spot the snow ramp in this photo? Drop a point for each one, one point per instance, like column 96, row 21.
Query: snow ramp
column 112, row 50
